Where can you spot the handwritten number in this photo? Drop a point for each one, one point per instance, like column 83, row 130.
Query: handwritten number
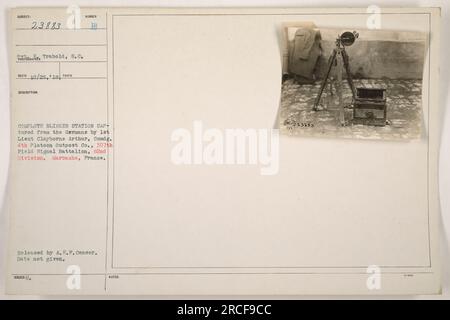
column 47, row 25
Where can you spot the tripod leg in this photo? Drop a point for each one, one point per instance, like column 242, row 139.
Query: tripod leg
column 349, row 75
column 339, row 89
column 324, row 81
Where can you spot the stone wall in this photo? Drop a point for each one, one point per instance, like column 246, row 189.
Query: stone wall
column 376, row 54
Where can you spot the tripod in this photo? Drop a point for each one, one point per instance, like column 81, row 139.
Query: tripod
column 340, row 59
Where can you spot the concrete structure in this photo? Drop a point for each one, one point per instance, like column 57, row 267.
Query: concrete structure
column 375, row 54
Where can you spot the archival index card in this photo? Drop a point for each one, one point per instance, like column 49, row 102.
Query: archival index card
column 167, row 151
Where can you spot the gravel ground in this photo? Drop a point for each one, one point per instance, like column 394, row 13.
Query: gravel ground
column 404, row 111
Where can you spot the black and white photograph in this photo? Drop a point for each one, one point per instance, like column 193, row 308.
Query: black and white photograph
column 364, row 84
